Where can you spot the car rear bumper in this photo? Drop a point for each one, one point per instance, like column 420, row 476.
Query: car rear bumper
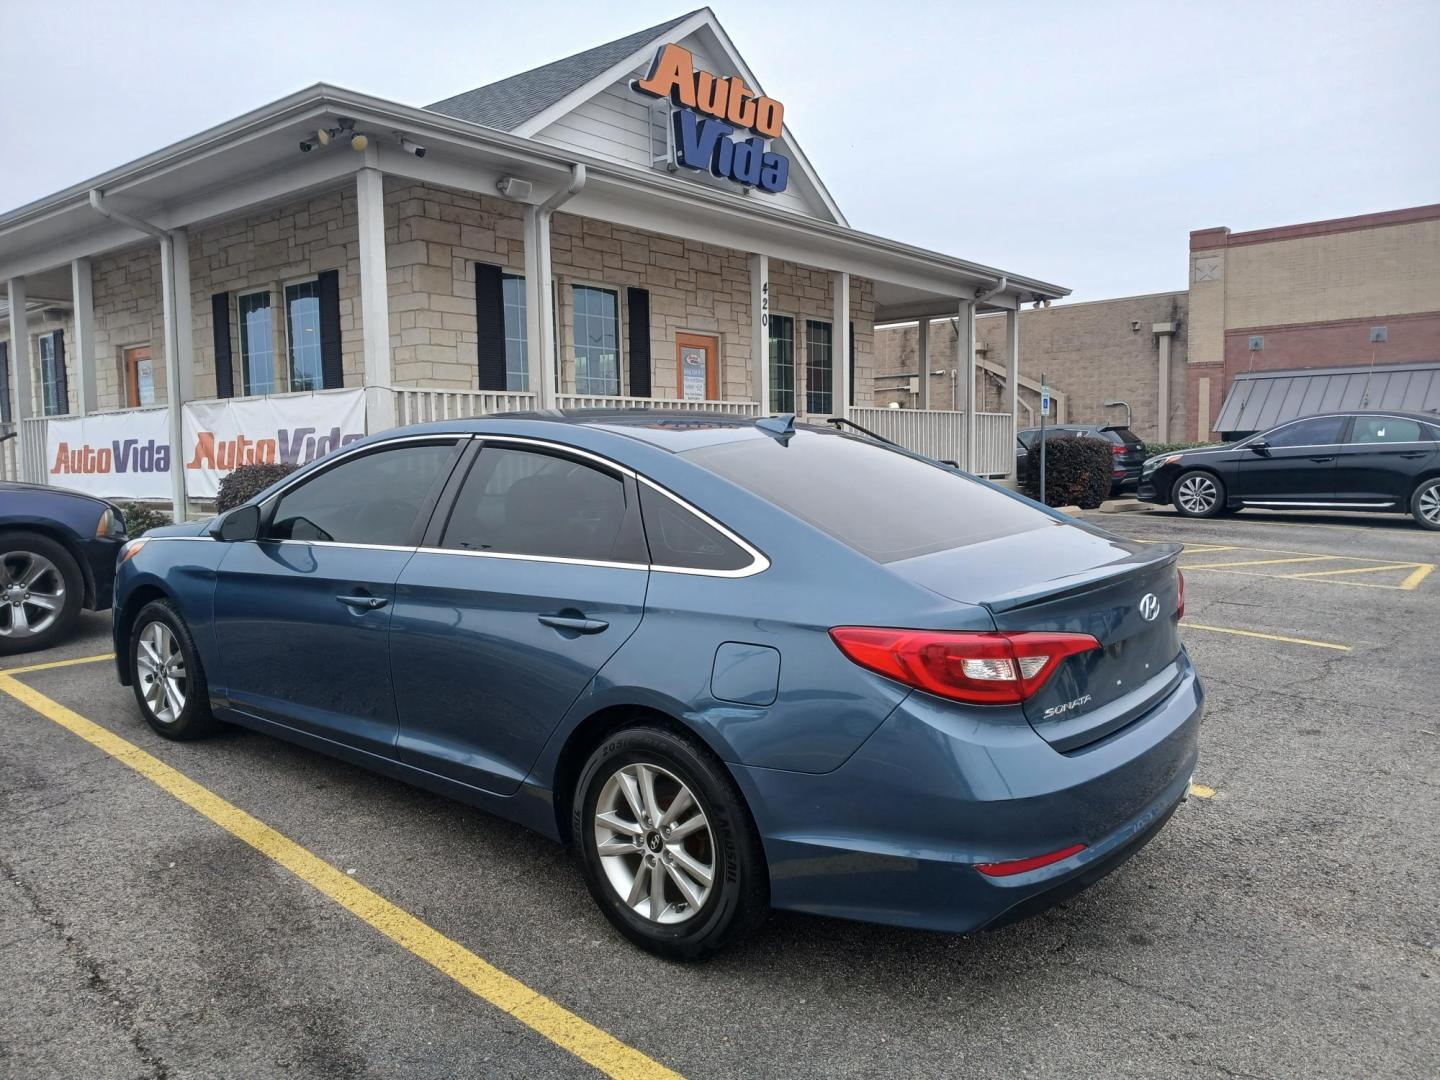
column 895, row 834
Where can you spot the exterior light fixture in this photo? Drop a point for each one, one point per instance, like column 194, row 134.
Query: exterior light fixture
column 359, row 141
column 322, row 137
column 512, row 187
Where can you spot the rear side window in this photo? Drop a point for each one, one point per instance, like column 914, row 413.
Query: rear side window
column 1321, row 431
column 522, row 502
column 372, row 499
column 1122, row 435
column 1385, row 429
column 884, row 504
column 679, row 538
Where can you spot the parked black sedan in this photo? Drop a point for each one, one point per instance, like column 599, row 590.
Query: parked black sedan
column 57, row 556
column 1125, row 445
column 1381, row 461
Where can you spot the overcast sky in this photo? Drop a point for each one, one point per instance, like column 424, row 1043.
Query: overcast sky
column 1074, row 142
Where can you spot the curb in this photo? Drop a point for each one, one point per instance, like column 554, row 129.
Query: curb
column 1123, row 506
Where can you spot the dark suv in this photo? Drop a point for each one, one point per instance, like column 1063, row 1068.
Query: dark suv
column 1382, row 461
column 1129, row 451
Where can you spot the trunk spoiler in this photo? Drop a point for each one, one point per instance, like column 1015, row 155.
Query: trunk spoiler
column 1153, row 558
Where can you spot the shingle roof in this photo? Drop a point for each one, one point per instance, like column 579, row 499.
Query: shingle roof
column 510, row 102
column 1260, row 400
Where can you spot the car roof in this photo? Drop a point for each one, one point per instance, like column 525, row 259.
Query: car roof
column 1432, row 419
column 673, row 430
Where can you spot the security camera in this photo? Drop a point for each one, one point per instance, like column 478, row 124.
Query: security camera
column 306, row 147
column 411, row 147
column 512, row 187
column 1135, row 325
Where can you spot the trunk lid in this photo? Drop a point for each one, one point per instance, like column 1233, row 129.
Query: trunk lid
column 1072, row 579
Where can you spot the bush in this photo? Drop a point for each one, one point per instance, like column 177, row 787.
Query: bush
column 1155, row 449
column 248, row 481
column 140, row 519
column 1078, row 472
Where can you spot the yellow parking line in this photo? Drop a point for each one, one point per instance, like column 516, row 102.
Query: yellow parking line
column 1422, row 571
column 1261, row 562
column 55, row 664
column 595, row 1047
column 1352, row 570
column 1188, row 625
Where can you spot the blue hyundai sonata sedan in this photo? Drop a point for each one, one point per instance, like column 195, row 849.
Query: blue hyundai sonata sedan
column 733, row 663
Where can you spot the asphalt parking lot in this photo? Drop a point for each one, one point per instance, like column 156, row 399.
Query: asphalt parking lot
column 322, row 921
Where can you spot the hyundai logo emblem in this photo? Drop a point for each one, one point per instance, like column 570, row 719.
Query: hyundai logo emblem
column 1149, row 606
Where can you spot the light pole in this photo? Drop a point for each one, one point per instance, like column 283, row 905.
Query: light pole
column 1116, row 404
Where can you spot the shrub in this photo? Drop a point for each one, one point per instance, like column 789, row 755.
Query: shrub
column 1154, row 449
column 140, row 519
column 1078, row 472
column 247, row 481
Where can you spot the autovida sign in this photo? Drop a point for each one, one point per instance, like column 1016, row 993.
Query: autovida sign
column 709, row 112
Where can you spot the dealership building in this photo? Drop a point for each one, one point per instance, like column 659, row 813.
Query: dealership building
column 635, row 225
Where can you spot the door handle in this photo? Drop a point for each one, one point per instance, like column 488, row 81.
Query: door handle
column 578, row 626
column 1415, row 453
column 364, row 603
column 1322, row 460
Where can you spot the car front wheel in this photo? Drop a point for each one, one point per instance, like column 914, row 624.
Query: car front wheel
column 41, row 592
column 1199, row 494
column 1425, row 504
column 666, row 844
column 165, row 672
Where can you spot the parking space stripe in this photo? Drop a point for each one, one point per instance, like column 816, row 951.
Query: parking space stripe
column 1422, row 571
column 588, row 1043
column 1354, row 570
column 57, row 664
column 1188, row 625
column 1260, row 562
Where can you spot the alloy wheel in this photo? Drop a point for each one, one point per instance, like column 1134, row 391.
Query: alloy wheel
column 1429, row 504
column 32, row 594
column 655, row 843
column 160, row 667
column 1197, row 494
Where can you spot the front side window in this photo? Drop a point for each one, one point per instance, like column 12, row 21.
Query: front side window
column 782, row 364
column 302, row 318
column 257, row 343
column 372, row 499
column 1385, row 429
column 517, row 359
column 819, row 367
column 1319, row 431
column 52, row 379
column 520, row 502
column 597, row 340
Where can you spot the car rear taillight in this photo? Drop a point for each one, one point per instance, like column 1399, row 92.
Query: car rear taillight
column 1118, row 450
column 1020, row 866
column 981, row 668
column 1180, row 583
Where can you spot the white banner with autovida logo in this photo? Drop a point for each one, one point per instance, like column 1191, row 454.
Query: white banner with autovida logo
column 124, row 455
column 221, row 435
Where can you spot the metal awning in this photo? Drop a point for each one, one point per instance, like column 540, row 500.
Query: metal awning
column 1259, row 400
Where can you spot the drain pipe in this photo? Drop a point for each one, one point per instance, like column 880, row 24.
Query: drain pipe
column 172, row 341
column 541, row 326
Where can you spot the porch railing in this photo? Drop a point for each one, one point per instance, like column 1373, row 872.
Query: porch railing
column 419, row 404
column 941, row 434
column 602, row 401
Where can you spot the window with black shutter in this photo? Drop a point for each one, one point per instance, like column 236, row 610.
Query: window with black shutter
column 6, row 416
column 332, row 367
column 490, row 326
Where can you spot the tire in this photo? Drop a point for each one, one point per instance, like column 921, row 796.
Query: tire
column 694, row 919
column 1425, row 504
column 162, row 651
column 41, row 592
column 1199, row 494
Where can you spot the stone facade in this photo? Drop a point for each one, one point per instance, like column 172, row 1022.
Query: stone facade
column 1091, row 352
column 434, row 238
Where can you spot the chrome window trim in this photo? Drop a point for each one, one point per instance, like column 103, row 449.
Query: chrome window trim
column 350, row 451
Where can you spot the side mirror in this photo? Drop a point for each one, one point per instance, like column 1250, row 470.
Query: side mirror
column 1259, row 446
column 242, row 523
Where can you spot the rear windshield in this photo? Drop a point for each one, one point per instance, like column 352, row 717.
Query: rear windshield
column 1122, row 434
column 881, row 503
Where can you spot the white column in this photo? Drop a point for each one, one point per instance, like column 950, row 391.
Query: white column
column 374, row 300
column 82, row 294
column 922, row 354
column 174, row 380
column 965, row 361
column 760, row 330
column 840, row 344
column 540, row 307
column 21, row 372
column 184, row 317
column 1012, row 374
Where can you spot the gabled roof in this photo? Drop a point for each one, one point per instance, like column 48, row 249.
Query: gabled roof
column 507, row 104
